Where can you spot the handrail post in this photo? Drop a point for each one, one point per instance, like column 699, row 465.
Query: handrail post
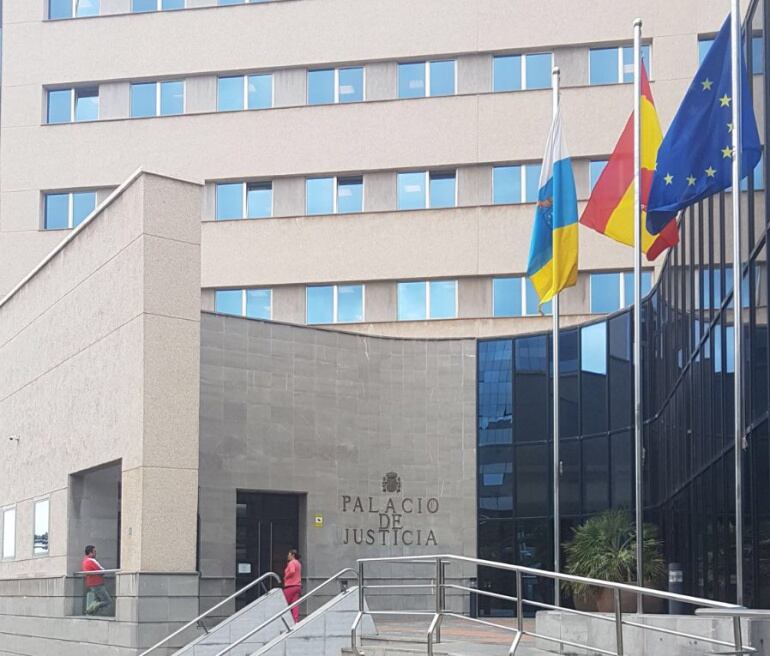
column 361, row 587
column 618, row 622
column 519, row 604
column 439, row 587
column 737, row 635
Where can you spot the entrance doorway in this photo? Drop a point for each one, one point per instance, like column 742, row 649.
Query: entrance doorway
column 267, row 526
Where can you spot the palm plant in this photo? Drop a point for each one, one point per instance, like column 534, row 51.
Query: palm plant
column 604, row 547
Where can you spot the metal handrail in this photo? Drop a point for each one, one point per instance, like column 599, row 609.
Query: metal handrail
column 727, row 610
column 282, row 612
column 97, row 572
column 237, row 593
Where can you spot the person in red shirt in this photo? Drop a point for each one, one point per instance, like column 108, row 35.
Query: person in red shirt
column 97, row 596
column 292, row 581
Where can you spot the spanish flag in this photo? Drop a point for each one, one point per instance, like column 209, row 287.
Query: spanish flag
column 610, row 209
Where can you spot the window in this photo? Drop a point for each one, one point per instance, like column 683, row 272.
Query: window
column 245, row 92
column 519, row 72
column 40, row 520
column 335, row 85
column 251, row 303
column 72, row 8
column 334, row 195
column 9, row 533
column 138, row 6
column 595, row 168
column 334, row 304
column 421, row 79
column 615, row 65
column 244, row 200
column 757, row 53
column 758, row 176
column 427, row 189
column 613, row 290
column 157, row 98
column 435, row 299
column 515, row 183
column 239, row 2
column 68, row 209
column 516, row 297
column 68, row 105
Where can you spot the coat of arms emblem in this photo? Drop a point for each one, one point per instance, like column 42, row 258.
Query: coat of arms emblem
column 391, row 483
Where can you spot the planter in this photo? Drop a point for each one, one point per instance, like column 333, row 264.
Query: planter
column 605, row 602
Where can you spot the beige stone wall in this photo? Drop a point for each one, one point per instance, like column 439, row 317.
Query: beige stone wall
column 99, row 362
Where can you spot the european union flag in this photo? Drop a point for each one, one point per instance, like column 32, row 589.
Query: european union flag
column 695, row 158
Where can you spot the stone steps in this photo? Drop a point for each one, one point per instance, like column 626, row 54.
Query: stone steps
column 410, row 647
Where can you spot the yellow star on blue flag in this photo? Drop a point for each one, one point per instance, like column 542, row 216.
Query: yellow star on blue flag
column 700, row 138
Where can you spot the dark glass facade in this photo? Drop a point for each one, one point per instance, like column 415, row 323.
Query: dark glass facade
column 688, row 371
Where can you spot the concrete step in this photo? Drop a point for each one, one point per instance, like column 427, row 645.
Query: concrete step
column 409, row 647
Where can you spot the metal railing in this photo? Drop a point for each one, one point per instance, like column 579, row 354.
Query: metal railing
column 439, row 612
column 105, row 606
column 258, row 581
column 283, row 612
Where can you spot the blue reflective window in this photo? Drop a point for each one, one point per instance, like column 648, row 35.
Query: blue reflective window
column 758, row 176
column 442, row 78
column 595, row 168
column 593, row 348
column 83, row 203
column 56, row 211
column 628, row 286
column 442, row 189
column 231, row 2
column 320, row 304
column 320, row 87
column 412, row 301
column 230, row 94
column 350, row 195
column 87, row 104
column 757, row 56
column 259, row 303
column 532, row 175
column 605, row 292
column 533, row 302
column 538, row 69
column 506, row 184
column 411, row 80
column 230, row 201
column 86, row 8
column 229, row 301
column 60, row 106
column 506, row 297
column 506, row 73
column 443, row 299
column 260, row 89
column 144, row 5
column 143, row 100
column 628, row 62
column 411, row 190
column 704, row 45
column 319, row 194
column 259, row 200
column 350, row 303
column 351, row 84
column 172, row 97
column 603, row 66
column 59, row 9
column 172, row 4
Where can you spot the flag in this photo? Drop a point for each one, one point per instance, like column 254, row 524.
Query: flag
column 695, row 158
column 610, row 209
column 553, row 251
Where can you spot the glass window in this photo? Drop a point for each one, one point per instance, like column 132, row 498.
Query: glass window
column 757, row 56
column 83, row 203
column 259, row 200
column 442, row 189
column 230, row 93
column 593, row 348
column 704, row 45
column 231, row 2
column 40, row 520
column 259, row 303
column 59, row 9
column 172, row 97
column 60, row 106
column 320, row 86
column 605, row 292
column 229, row 301
column 758, row 176
column 9, row 533
column 538, row 71
column 595, row 168
column 442, row 78
column 506, row 184
column 628, row 62
column 87, row 104
column 335, row 304
column 72, row 8
column 411, row 190
column 603, row 66
column 443, row 299
column 171, row 4
column 230, row 201
column 350, row 195
column 506, row 73
column 56, row 211
column 86, row 8
column 143, row 100
column 628, row 286
column 350, row 303
column 351, row 84
column 412, row 301
column 320, row 304
column 532, row 301
column 144, row 5
column 260, row 92
column 319, row 196
column 532, row 175
column 411, row 80
column 506, row 297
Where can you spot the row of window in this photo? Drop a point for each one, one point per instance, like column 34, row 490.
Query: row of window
column 58, row 9
column 40, row 522
column 512, row 296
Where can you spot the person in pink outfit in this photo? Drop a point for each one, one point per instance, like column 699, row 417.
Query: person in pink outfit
column 292, row 581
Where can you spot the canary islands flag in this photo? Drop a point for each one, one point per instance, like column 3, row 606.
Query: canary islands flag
column 553, row 252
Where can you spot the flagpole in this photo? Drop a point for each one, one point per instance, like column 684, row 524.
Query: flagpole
column 555, row 351
column 638, row 418
column 735, row 45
